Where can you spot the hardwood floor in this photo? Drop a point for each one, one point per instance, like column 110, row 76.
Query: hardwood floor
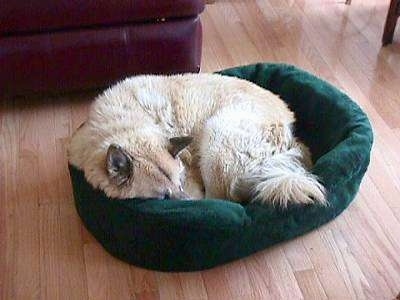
column 45, row 253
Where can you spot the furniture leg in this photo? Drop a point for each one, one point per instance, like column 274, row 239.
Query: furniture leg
column 391, row 21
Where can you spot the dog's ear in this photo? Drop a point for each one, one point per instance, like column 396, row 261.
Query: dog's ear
column 119, row 164
column 177, row 144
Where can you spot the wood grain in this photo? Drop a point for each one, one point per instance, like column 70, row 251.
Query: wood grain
column 46, row 253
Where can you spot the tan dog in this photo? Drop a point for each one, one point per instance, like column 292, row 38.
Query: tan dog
column 145, row 132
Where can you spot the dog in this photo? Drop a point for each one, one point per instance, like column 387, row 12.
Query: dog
column 146, row 134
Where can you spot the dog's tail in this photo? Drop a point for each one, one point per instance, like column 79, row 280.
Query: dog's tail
column 283, row 179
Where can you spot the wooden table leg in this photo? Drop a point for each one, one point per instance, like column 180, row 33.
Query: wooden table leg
column 391, row 20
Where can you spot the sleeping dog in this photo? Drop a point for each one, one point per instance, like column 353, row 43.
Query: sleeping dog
column 147, row 134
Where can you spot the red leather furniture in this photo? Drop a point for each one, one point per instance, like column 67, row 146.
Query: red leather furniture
column 60, row 45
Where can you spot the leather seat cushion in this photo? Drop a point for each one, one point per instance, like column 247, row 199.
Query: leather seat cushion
column 21, row 16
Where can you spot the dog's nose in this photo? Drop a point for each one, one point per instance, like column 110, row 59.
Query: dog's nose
column 179, row 195
column 167, row 194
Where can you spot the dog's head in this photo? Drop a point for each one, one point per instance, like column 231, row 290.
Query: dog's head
column 156, row 172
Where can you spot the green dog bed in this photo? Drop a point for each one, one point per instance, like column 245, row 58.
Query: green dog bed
column 178, row 235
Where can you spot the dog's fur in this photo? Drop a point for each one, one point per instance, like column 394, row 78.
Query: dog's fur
column 243, row 144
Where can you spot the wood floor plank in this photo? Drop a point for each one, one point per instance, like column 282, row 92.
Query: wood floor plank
column 238, row 279
column 380, row 213
column 147, row 296
column 73, row 279
column 9, row 135
column 347, row 266
column 262, row 282
column 375, row 286
column 98, row 284
column 107, row 278
column 359, row 281
column 3, row 209
column 26, row 222
column 230, row 31
column 143, row 281
column 281, row 271
column 325, row 267
column 119, row 278
column 63, row 123
column 385, row 179
column 310, row 285
column 50, row 271
column 379, row 265
column 47, row 152
column 169, row 286
column 219, row 56
column 297, row 255
column 396, row 212
column 218, row 284
column 193, row 286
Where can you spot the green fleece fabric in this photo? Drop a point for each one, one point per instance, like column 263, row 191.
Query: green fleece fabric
column 193, row 235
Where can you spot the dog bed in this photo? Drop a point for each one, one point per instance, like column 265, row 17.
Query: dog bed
column 173, row 235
